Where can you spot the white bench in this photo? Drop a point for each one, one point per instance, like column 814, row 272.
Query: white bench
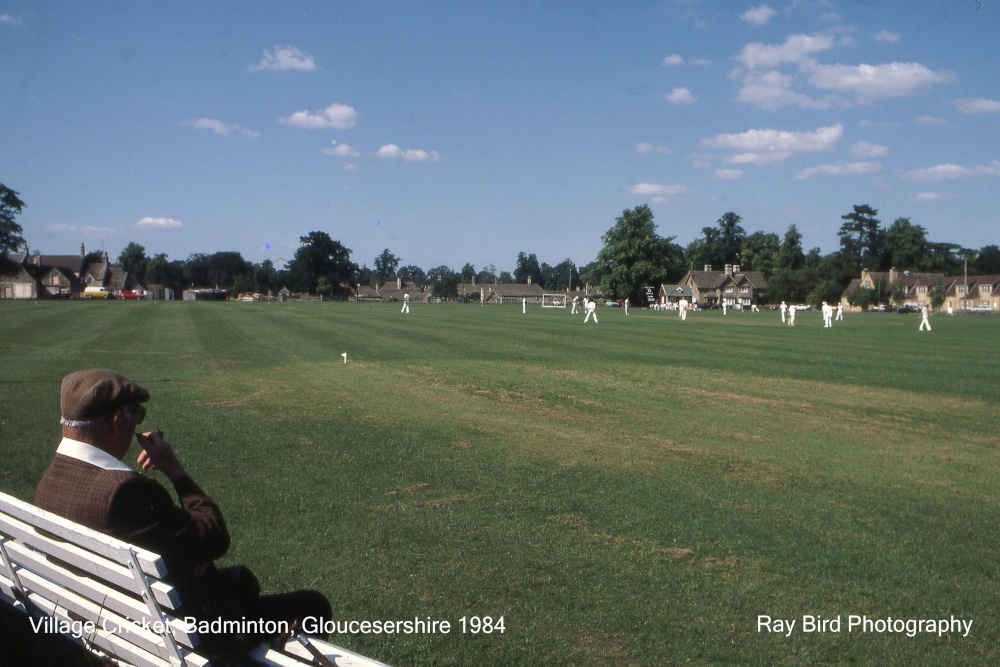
column 110, row 597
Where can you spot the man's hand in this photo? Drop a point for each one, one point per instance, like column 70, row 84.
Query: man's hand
column 157, row 454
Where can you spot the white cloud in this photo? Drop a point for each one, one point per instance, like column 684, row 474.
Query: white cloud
column 929, row 196
column 9, row 20
column 946, row 171
column 758, row 15
column 673, row 59
column 773, row 90
column 729, row 174
column 843, row 169
column 87, row 230
column 930, row 120
column 886, row 36
column 877, row 82
column 657, row 189
column 764, row 146
column 651, row 148
column 217, row 126
column 767, row 88
column 392, row 151
column 681, row 95
column 284, row 59
column 865, row 149
column 796, row 49
column 341, row 150
column 973, row 106
column 337, row 116
column 159, row 223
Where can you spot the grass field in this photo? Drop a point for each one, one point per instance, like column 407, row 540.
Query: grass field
column 632, row 493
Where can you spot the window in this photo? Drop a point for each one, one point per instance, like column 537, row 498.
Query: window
column 961, row 289
column 729, row 289
column 868, row 284
column 984, row 289
column 744, row 290
column 922, row 290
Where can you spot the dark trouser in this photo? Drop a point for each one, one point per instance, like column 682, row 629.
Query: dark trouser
column 233, row 594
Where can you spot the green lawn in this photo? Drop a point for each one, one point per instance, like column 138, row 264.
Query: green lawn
column 636, row 492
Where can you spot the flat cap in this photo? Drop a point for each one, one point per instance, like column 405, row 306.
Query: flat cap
column 94, row 393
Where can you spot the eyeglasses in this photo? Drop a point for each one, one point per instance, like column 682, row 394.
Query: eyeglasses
column 136, row 412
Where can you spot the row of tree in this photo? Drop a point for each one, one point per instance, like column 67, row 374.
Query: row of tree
column 634, row 256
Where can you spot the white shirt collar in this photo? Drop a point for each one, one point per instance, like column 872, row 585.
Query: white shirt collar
column 81, row 451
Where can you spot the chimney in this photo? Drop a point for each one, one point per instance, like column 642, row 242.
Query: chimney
column 399, row 283
column 736, row 269
column 708, row 267
column 529, row 280
column 83, row 251
column 729, row 269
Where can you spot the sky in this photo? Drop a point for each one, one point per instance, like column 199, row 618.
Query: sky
column 467, row 132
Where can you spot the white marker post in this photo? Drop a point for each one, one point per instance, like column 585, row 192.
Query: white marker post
column 344, row 355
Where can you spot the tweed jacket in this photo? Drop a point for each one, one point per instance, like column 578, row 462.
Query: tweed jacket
column 137, row 509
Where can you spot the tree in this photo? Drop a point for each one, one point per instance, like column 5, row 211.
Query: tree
column 320, row 256
column 790, row 255
column 219, row 270
column 862, row 239
column 414, row 274
column 487, row 276
column 862, row 297
column 444, row 282
column 527, row 267
column 468, row 273
column 719, row 245
column 987, row 261
column 10, row 231
column 159, row 271
column 906, row 245
column 562, row 276
column 634, row 256
column 385, row 267
column 759, row 252
column 133, row 259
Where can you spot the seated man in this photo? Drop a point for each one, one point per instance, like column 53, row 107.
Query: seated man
column 88, row 483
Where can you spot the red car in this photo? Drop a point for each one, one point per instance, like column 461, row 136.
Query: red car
column 130, row 294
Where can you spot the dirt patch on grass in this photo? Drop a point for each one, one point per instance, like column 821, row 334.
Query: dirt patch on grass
column 745, row 437
column 408, row 489
column 578, row 523
column 425, row 504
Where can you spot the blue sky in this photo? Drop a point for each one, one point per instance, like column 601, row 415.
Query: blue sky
column 455, row 132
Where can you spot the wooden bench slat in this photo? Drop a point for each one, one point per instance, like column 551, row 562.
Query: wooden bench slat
column 97, row 565
column 70, row 572
column 94, row 589
column 60, row 597
column 121, row 646
column 99, row 543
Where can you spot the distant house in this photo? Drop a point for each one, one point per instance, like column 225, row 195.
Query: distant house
column 671, row 294
column 39, row 276
column 502, row 293
column 396, row 290
column 917, row 289
column 730, row 286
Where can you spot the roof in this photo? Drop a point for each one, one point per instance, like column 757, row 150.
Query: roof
column 506, row 290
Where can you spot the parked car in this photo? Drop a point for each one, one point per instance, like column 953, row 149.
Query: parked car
column 131, row 294
column 95, row 293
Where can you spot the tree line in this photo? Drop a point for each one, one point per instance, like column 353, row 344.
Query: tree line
column 634, row 256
